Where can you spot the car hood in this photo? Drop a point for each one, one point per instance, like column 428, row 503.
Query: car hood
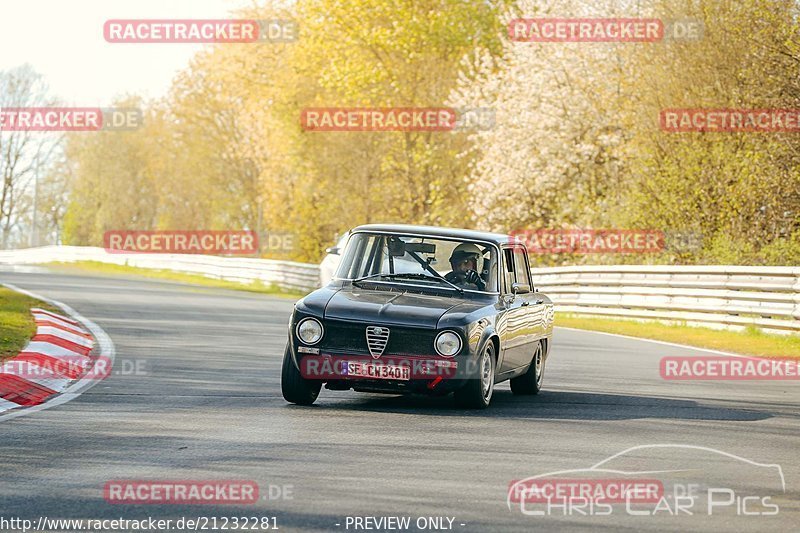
column 389, row 307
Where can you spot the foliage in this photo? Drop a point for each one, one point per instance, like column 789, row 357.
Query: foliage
column 576, row 141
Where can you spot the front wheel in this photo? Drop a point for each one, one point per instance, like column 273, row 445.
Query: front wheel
column 531, row 381
column 296, row 388
column 477, row 393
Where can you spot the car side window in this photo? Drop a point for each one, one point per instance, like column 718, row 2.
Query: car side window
column 521, row 267
column 492, row 280
column 508, row 269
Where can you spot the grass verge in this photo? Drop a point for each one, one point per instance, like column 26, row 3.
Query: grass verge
column 751, row 341
column 169, row 275
column 16, row 322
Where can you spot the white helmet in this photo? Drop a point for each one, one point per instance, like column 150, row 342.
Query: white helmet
column 466, row 251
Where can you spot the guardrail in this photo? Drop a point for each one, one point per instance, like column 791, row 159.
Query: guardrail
column 713, row 296
column 285, row 274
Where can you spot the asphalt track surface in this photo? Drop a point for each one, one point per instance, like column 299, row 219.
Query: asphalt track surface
column 206, row 404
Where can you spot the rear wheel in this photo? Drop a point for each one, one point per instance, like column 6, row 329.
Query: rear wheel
column 531, row 381
column 477, row 393
column 296, row 388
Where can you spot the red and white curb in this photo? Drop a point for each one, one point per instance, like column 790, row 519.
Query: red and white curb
column 57, row 365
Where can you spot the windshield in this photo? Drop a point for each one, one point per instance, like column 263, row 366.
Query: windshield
column 467, row 265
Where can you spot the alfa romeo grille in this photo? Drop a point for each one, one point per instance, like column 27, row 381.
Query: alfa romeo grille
column 377, row 338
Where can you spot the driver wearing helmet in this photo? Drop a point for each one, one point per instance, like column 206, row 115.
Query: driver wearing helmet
column 464, row 262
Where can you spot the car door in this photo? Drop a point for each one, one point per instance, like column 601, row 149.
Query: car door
column 509, row 324
column 533, row 305
column 525, row 317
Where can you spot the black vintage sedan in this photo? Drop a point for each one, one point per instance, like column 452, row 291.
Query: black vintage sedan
column 416, row 309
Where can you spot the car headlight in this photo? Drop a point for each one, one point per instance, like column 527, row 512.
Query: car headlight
column 309, row 331
column 447, row 343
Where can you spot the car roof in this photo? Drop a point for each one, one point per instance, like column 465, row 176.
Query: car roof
column 435, row 231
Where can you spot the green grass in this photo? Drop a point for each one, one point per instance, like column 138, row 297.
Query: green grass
column 169, row 275
column 16, row 322
column 751, row 341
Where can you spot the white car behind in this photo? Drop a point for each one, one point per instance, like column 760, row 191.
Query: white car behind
column 330, row 262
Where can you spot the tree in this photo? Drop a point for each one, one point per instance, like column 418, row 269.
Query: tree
column 554, row 156
column 740, row 190
column 114, row 175
column 23, row 153
column 360, row 54
column 578, row 141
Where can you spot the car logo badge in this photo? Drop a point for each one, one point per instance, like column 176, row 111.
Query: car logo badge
column 377, row 339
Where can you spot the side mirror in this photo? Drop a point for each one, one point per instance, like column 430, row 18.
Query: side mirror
column 333, row 250
column 519, row 288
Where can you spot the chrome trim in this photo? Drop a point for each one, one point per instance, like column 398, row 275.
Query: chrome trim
column 306, row 349
column 429, row 236
column 436, row 341
column 377, row 339
column 321, row 329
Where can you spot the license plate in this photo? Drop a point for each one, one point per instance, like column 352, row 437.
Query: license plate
column 378, row 371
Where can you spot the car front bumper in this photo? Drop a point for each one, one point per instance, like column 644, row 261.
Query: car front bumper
column 390, row 373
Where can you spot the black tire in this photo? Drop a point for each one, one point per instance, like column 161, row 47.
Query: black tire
column 531, row 381
column 477, row 393
column 295, row 388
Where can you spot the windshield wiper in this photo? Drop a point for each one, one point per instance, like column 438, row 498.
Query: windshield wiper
column 371, row 276
column 410, row 275
column 424, row 264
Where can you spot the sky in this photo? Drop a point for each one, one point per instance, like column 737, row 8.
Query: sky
column 63, row 40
